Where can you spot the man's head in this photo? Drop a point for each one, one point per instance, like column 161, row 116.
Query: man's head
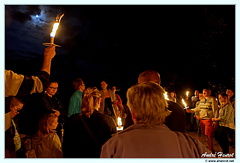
column 149, row 75
column 147, row 104
column 206, row 93
column 78, row 84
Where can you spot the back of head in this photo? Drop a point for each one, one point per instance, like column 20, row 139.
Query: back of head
column 90, row 99
column 147, row 102
column 149, row 75
column 77, row 82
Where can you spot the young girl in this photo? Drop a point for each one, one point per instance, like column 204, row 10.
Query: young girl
column 46, row 143
column 226, row 121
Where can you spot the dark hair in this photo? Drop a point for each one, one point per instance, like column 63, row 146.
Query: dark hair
column 77, row 82
column 223, row 94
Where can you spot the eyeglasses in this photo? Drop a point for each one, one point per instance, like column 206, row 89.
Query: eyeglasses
column 17, row 109
column 53, row 87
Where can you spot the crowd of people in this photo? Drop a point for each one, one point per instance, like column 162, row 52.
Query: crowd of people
column 38, row 125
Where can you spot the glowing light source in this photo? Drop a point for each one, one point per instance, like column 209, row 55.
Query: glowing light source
column 187, row 93
column 166, row 95
column 119, row 124
column 184, row 103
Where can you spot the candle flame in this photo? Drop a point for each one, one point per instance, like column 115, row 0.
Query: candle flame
column 54, row 30
column 166, row 95
column 119, row 124
column 55, row 25
column 119, row 121
column 184, row 103
column 187, row 93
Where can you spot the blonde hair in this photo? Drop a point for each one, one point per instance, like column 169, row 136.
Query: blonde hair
column 147, row 102
column 90, row 99
column 44, row 124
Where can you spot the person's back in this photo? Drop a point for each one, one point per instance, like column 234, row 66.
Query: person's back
column 176, row 121
column 157, row 142
column 103, row 126
column 149, row 137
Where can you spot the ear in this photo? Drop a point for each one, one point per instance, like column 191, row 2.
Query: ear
column 133, row 118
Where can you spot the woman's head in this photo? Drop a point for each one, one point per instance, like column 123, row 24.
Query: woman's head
column 48, row 123
column 223, row 98
column 91, row 101
column 146, row 101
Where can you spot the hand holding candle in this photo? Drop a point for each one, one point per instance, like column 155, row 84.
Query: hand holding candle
column 184, row 103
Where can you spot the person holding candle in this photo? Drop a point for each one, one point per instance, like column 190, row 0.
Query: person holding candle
column 20, row 85
column 226, row 122
column 86, row 132
column 148, row 137
column 208, row 109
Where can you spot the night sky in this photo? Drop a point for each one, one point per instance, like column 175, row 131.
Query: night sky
column 191, row 46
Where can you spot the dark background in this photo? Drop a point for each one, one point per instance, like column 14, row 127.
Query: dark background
column 191, row 46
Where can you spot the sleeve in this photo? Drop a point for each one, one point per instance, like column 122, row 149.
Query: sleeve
column 215, row 107
column 196, row 109
column 13, row 81
column 56, row 146
column 19, row 85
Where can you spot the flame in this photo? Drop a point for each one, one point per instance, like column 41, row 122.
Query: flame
column 55, row 25
column 119, row 124
column 54, row 30
column 119, row 121
column 184, row 103
column 187, row 93
column 166, row 95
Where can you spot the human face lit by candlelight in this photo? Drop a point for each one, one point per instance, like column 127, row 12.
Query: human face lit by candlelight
column 15, row 109
column 52, row 89
column 104, row 85
column 54, row 124
column 206, row 93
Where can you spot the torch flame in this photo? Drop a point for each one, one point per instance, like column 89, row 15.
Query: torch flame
column 185, row 105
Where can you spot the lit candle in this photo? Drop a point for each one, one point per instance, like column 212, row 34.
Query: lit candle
column 54, row 30
column 184, row 103
column 119, row 124
column 166, row 95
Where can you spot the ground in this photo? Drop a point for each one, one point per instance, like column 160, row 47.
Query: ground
column 216, row 146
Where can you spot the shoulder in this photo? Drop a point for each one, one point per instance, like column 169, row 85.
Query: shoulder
column 174, row 106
